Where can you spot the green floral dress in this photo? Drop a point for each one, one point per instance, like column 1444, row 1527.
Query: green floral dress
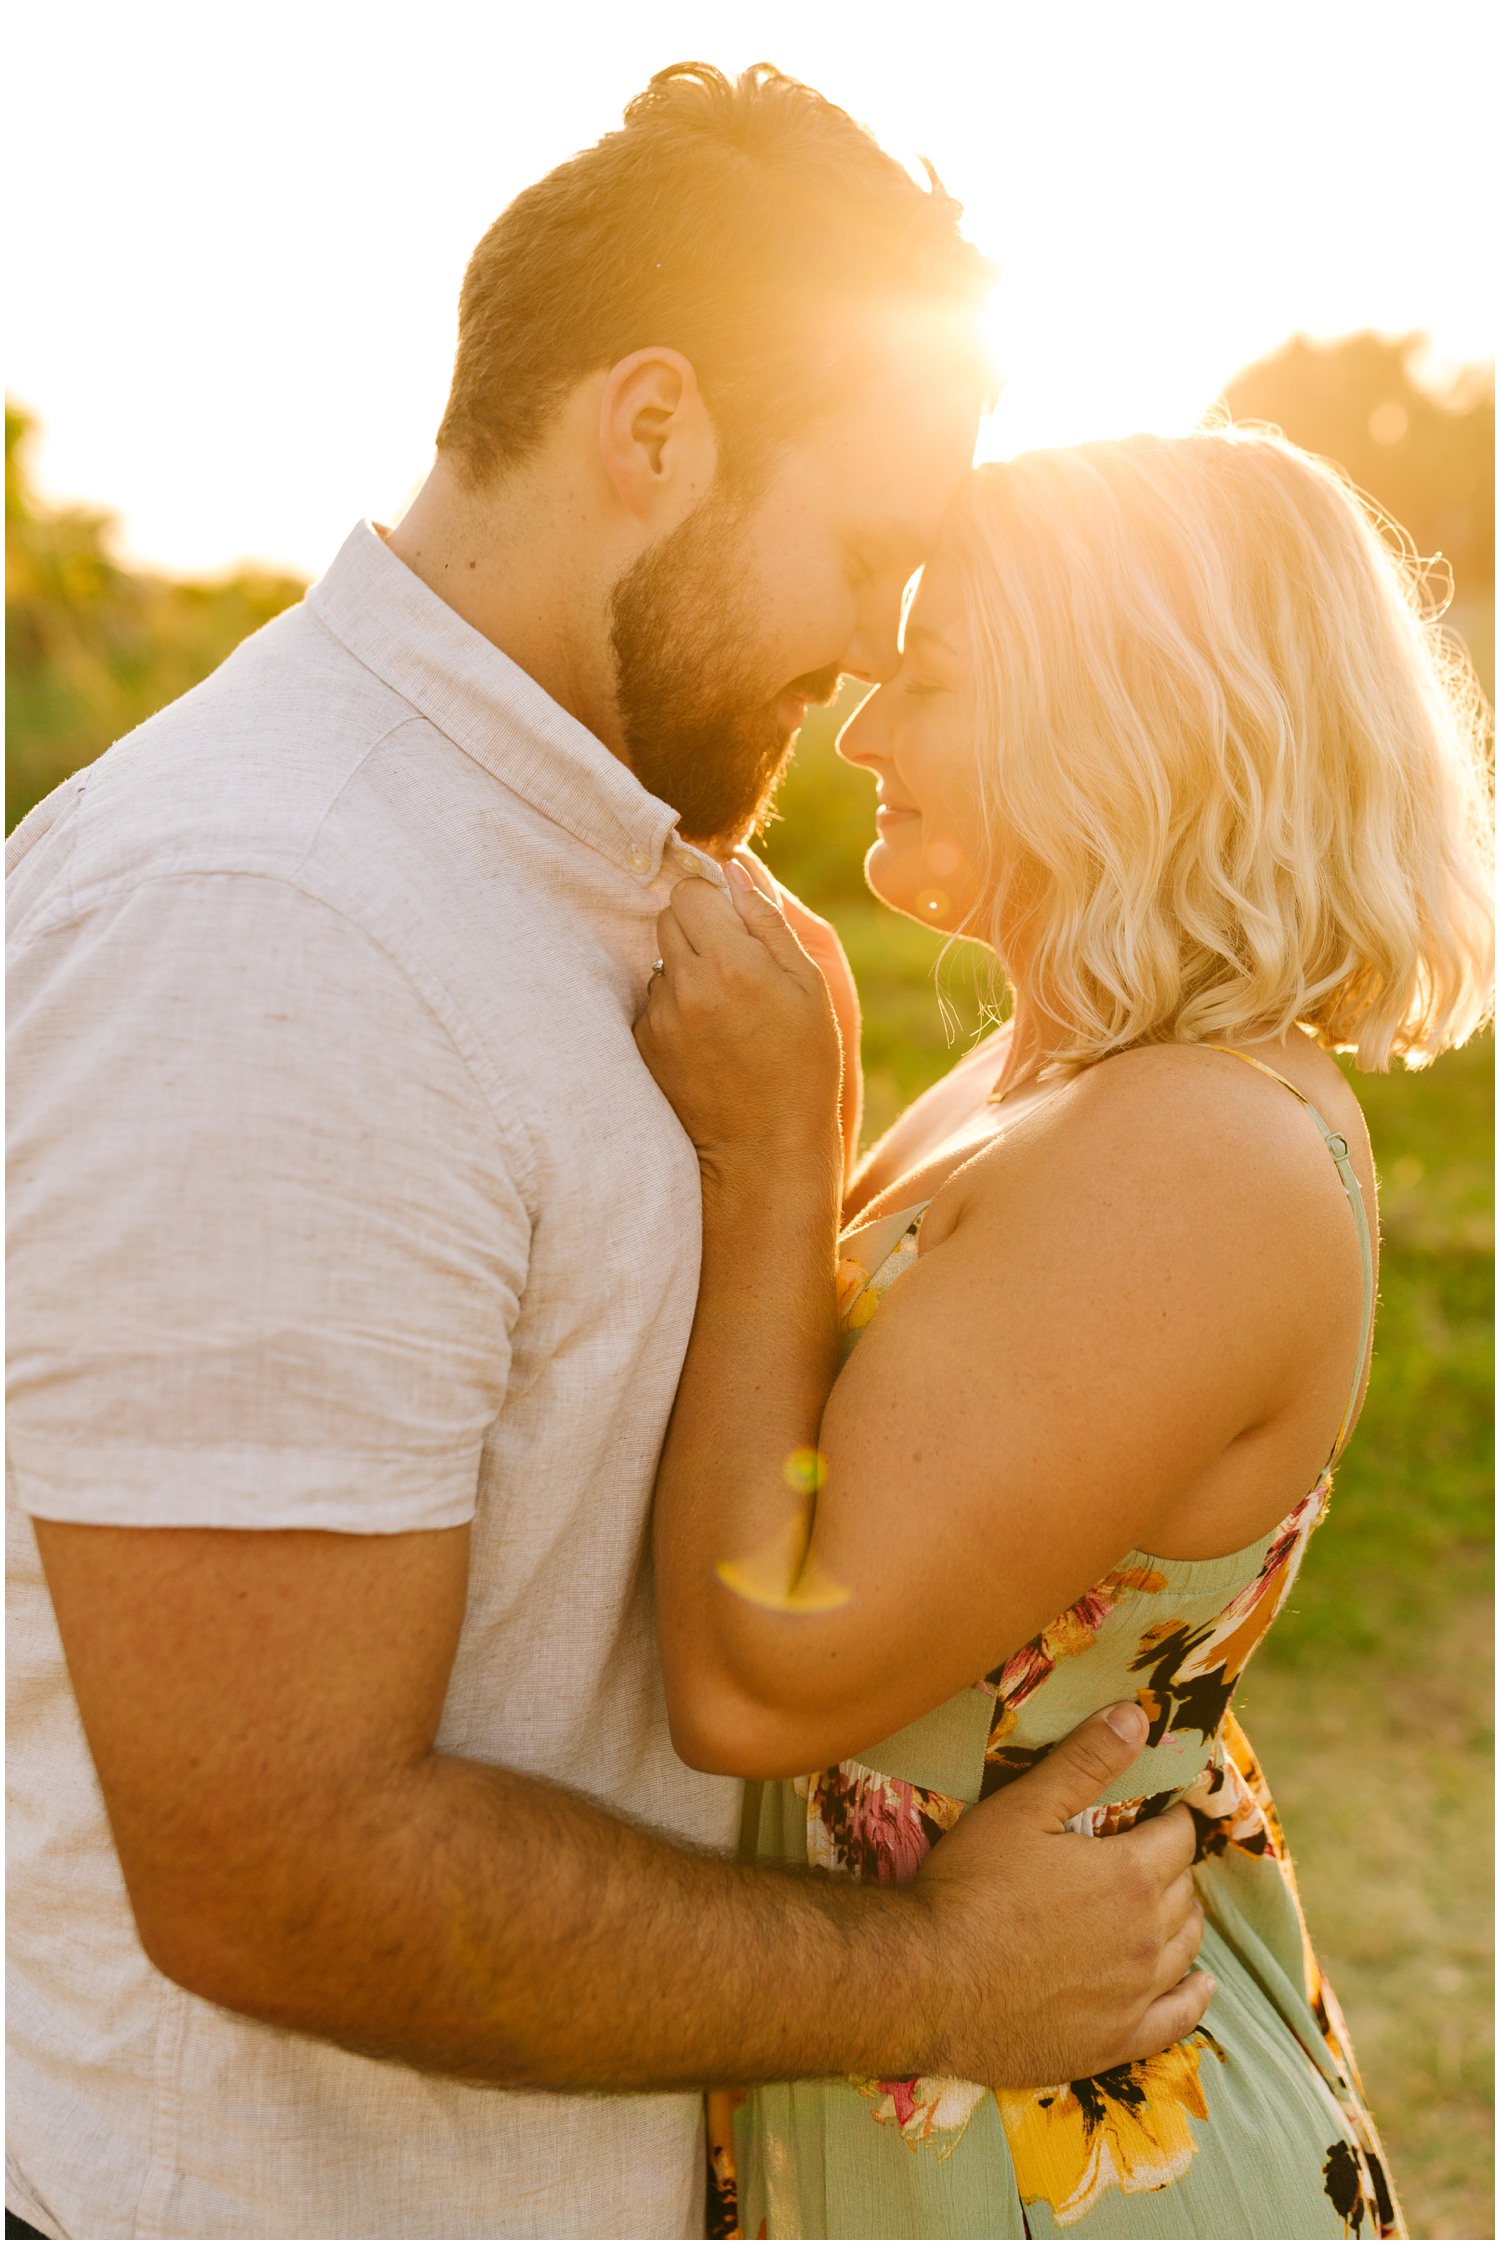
column 1255, row 2126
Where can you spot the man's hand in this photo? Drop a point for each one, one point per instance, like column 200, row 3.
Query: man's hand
column 1078, row 1947
column 261, row 1708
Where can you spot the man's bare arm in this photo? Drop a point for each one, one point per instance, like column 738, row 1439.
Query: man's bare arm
column 261, row 1708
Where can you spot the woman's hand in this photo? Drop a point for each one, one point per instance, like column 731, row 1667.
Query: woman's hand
column 739, row 1029
column 820, row 940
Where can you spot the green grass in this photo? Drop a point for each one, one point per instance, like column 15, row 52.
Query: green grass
column 1372, row 1703
column 1409, row 1531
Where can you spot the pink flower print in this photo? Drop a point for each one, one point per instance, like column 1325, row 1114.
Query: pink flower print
column 931, row 2112
column 903, row 2099
column 867, row 1826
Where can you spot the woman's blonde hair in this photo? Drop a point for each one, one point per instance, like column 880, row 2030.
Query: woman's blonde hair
column 1234, row 775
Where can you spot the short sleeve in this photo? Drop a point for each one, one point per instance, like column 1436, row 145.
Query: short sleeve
column 266, row 1240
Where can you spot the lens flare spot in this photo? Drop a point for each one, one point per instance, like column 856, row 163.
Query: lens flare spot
column 779, row 1577
column 805, row 1470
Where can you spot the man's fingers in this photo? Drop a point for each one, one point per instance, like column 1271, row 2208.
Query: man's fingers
column 1165, row 1845
column 1169, row 2018
column 1178, row 1901
column 1180, row 1953
column 1081, row 1765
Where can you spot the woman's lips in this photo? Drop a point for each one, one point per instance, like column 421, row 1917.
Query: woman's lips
column 894, row 814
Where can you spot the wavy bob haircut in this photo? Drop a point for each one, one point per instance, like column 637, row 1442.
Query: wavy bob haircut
column 1234, row 776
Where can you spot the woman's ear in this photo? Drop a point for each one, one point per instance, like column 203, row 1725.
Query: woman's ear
column 656, row 441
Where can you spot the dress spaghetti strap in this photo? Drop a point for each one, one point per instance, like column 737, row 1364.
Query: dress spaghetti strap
column 1338, row 1147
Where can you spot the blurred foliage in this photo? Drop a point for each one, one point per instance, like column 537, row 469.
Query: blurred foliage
column 92, row 648
column 1426, row 453
column 1410, row 1533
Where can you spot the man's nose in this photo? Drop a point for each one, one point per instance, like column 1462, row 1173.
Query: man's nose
column 876, row 653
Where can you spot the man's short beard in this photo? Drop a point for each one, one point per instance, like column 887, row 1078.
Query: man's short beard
column 701, row 733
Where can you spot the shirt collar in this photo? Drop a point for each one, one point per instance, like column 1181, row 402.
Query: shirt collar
column 494, row 711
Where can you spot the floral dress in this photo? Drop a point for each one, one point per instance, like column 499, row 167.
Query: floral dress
column 1254, row 2126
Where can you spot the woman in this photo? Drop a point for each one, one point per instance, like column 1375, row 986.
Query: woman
column 1170, row 733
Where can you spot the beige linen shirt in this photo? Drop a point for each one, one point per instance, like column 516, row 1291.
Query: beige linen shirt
column 340, row 1199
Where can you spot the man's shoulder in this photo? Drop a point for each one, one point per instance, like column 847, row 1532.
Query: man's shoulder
column 243, row 774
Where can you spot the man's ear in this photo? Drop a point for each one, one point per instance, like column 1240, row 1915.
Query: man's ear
column 656, row 441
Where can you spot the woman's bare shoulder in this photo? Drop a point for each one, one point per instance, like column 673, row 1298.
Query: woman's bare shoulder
column 1168, row 1137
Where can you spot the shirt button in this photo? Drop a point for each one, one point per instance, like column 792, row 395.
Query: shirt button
column 639, row 860
column 684, row 859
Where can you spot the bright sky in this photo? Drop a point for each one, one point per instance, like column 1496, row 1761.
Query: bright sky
column 238, row 233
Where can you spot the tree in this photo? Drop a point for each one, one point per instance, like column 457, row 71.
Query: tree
column 1426, row 455
column 93, row 648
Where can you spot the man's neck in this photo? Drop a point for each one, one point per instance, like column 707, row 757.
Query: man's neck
column 494, row 557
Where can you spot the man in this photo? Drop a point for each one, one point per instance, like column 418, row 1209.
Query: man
column 353, row 1260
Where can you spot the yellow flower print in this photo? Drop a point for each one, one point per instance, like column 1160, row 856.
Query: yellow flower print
column 860, row 1292
column 1131, row 2127
column 849, row 1281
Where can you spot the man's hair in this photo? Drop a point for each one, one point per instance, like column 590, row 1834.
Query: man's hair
column 724, row 220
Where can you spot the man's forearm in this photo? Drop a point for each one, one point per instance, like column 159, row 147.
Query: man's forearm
column 260, row 1710
column 487, row 1925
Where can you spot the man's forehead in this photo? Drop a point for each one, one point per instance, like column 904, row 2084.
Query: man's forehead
column 907, row 441
column 897, row 480
column 920, row 363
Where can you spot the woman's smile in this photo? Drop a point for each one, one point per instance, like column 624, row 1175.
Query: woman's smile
column 894, row 814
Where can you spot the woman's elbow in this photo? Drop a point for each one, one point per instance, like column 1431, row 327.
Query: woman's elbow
column 728, row 1736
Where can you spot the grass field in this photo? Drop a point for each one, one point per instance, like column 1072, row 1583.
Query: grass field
column 1371, row 1704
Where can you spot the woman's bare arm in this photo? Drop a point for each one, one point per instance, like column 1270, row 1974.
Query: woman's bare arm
column 1093, row 1322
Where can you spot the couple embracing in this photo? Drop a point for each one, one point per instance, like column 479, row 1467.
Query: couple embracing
column 540, row 1588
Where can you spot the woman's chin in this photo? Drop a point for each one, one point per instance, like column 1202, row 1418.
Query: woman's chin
column 902, row 884
column 894, row 883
